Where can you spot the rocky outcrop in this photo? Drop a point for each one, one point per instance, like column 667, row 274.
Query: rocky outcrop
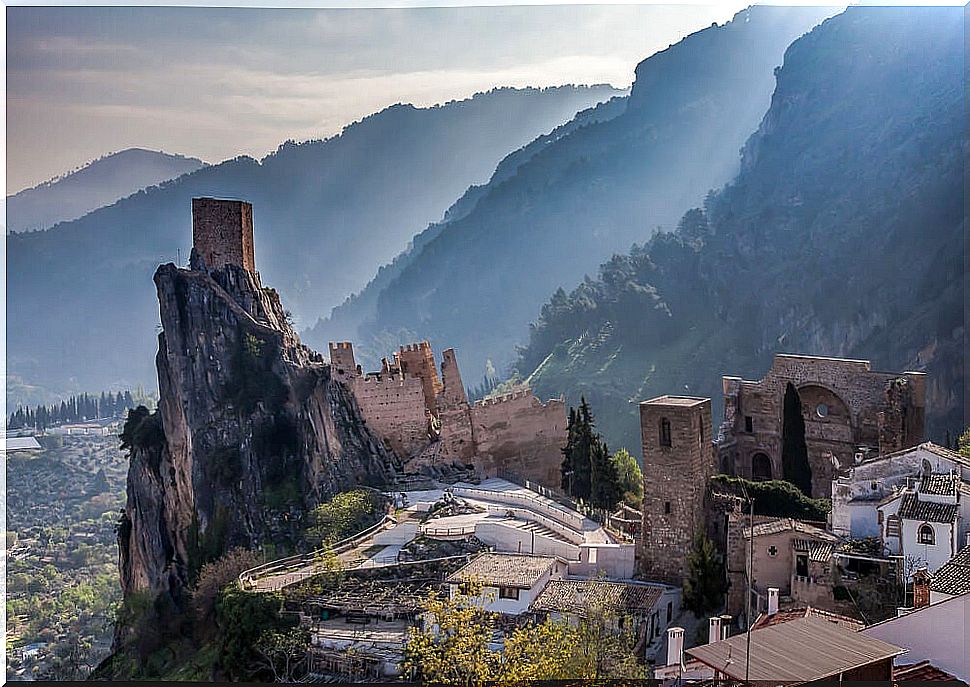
column 251, row 432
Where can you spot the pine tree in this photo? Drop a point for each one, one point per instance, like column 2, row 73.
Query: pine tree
column 706, row 582
column 794, row 451
column 605, row 479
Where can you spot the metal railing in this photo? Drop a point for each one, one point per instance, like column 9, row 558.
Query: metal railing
column 294, row 565
column 564, row 517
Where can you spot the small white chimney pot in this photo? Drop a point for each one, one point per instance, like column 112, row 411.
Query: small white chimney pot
column 714, row 629
column 772, row 600
column 675, row 646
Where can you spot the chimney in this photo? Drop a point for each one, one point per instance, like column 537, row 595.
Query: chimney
column 714, row 629
column 967, row 542
column 675, row 646
column 726, row 626
column 772, row 600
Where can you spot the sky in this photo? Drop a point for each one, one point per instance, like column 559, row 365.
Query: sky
column 215, row 83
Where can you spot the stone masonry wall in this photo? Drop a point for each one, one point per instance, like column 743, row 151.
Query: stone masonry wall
column 222, row 232
column 675, row 479
column 518, row 433
column 844, row 403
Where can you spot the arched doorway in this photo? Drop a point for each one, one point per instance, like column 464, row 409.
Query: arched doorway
column 760, row 467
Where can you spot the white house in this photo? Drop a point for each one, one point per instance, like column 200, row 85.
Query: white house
column 650, row 606
column 936, row 633
column 509, row 582
column 856, row 495
column 922, row 522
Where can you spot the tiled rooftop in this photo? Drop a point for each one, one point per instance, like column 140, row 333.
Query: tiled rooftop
column 913, row 509
column 686, row 401
column 807, row 612
column 944, row 484
column 953, row 577
column 505, row 570
column 578, row 596
column 789, row 524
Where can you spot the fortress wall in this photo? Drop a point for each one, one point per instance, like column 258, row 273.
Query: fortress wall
column 520, row 434
column 393, row 406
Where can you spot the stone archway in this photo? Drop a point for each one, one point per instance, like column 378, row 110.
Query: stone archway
column 761, row 467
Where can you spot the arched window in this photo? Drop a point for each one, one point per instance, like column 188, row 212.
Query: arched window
column 760, row 467
column 926, row 535
column 664, row 432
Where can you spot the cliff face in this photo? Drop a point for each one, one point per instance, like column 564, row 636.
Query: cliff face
column 842, row 235
column 251, row 432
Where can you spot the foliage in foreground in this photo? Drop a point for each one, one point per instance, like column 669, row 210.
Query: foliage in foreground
column 706, row 583
column 456, row 647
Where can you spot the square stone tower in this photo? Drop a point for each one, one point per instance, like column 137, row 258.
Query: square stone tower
column 222, row 232
column 678, row 460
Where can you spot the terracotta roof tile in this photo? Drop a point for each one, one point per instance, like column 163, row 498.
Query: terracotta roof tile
column 924, row 670
column 505, row 570
column 790, row 614
column 913, row 509
column 953, row 577
column 576, row 596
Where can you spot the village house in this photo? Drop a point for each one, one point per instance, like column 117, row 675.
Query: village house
column 798, row 652
column 792, row 558
column 922, row 522
column 650, row 607
column 952, row 578
column 509, row 583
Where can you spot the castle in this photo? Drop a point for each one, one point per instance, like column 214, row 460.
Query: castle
column 427, row 419
column 222, row 232
column 849, row 412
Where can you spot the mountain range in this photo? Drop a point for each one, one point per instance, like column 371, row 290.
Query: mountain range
column 842, row 235
column 556, row 209
column 82, row 311
column 96, row 184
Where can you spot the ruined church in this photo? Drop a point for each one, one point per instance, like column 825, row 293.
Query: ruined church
column 850, row 413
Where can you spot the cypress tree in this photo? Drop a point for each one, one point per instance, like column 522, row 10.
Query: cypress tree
column 794, row 451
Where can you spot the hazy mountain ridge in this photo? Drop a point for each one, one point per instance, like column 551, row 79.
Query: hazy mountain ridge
column 96, row 184
column 842, row 235
column 327, row 213
column 345, row 320
column 593, row 192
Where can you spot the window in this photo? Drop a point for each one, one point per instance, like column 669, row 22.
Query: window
column 772, row 550
column 801, row 565
column 508, row 593
column 926, row 535
column 892, row 526
column 670, row 610
column 822, row 410
column 664, row 432
column 748, row 424
column 666, row 507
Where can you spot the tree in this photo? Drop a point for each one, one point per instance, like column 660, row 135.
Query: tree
column 794, row 451
column 453, row 646
column 606, row 491
column 963, row 443
column 577, row 465
column 216, row 576
column 631, row 477
column 706, row 582
column 282, row 654
column 345, row 514
column 243, row 618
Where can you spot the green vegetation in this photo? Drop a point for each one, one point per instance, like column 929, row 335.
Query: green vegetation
column 630, row 477
column 589, row 473
column 79, row 408
column 963, row 443
column 143, row 430
column 62, row 556
column 706, row 582
column 345, row 514
column 253, row 379
column 457, row 651
column 794, row 451
column 775, row 498
column 244, row 621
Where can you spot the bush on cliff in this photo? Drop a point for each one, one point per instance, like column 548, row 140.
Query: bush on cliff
column 775, row 498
